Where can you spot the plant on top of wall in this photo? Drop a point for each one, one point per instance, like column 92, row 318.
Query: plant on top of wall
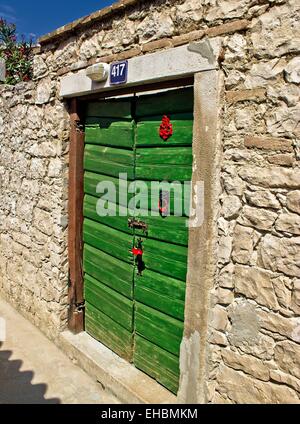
column 18, row 55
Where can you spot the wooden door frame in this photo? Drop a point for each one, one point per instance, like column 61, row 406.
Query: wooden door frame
column 75, row 220
column 202, row 246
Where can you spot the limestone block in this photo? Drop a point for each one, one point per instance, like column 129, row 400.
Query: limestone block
column 288, row 222
column 226, row 9
column 244, row 240
column 236, row 47
column 29, row 275
column 262, row 199
column 25, row 208
column 289, row 93
column 242, row 388
column 280, row 254
column 282, row 287
column 157, row 25
column 246, row 363
column 284, row 121
column 232, row 183
column 43, row 221
column 284, row 378
column 295, row 304
column 44, row 149
column 223, row 296
column 287, row 327
column 274, row 177
column 293, row 201
column 225, row 227
column 217, row 338
column 234, row 78
column 15, row 270
column 44, row 91
column 224, row 249
column 190, row 10
column 38, row 168
column 256, row 284
column 231, row 206
column 292, row 70
column 55, row 167
column 219, row 318
column 276, row 32
column 259, row 218
column 225, row 278
column 262, row 72
column 65, row 53
column 92, row 46
column 287, row 357
column 40, row 69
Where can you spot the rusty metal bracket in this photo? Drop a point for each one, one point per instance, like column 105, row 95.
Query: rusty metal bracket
column 79, row 307
column 137, row 224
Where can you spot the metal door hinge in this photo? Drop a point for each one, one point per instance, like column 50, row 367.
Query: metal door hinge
column 79, row 307
column 79, row 126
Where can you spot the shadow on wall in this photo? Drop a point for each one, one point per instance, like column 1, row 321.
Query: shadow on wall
column 16, row 386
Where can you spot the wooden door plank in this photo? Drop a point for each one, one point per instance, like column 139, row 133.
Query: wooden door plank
column 116, row 243
column 148, row 132
column 108, row 301
column 109, row 132
column 108, row 270
column 161, row 292
column 109, row 332
column 159, row 328
column 173, row 101
column 159, row 364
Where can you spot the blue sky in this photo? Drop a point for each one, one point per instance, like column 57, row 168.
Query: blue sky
column 39, row 17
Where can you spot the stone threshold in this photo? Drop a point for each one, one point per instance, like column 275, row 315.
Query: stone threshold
column 126, row 382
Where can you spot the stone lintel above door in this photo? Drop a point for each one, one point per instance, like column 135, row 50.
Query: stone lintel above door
column 170, row 64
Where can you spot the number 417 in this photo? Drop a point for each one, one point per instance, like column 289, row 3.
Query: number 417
column 118, row 70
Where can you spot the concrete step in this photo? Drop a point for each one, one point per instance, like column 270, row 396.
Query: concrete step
column 126, row 382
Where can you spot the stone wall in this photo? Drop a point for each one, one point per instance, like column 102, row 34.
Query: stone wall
column 33, row 219
column 253, row 341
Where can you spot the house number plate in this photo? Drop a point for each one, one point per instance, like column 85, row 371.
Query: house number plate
column 119, row 72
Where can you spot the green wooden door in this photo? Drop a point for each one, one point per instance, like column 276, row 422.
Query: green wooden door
column 139, row 315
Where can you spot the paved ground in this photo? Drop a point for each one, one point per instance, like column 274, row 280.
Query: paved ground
column 34, row 370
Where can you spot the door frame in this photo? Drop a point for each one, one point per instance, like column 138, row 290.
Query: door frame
column 202, row 257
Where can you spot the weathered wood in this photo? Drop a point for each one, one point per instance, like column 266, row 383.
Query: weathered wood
column 108, row 160
column 158, row 363
column 110, row 271
column 159, row 328
column 109, row 302
column 75, row 209
column 109, row 132
column 148, row 134
column 108, row 239
column 165, row 103
column 160, row 292
column 109, row 332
